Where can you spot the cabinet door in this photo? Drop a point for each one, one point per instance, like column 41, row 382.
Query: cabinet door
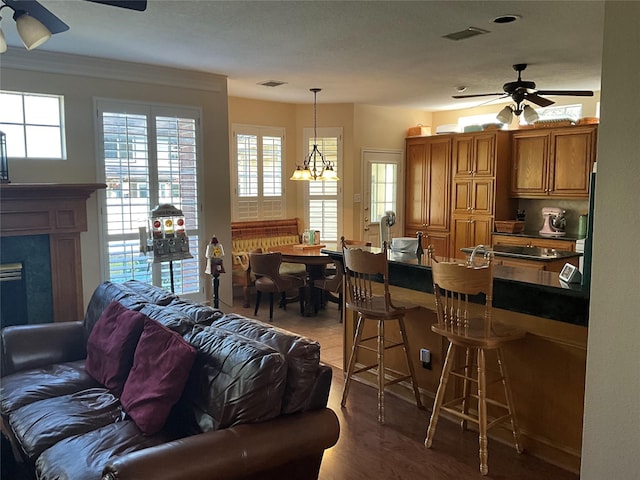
column 462, row 156
column 461, row 196
column 438, row 183
column 484, row 154
column 440, row 243
column 514, row 262
column 482, row 196
column 460, row 235
column 510, row 240
column 415, row 193
column 529, row 168
column 571, row 162
column 480, row 230
column 566, row 245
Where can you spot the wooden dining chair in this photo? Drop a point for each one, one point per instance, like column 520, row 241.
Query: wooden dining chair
column 472, row 331
column 266, row 268
column 363, row 270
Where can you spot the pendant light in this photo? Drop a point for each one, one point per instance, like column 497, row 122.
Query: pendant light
column 315, row 166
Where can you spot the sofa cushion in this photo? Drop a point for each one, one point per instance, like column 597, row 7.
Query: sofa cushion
column 201, row 314
column 40, row 425
column 84, row 456
column 234, row 380
column 106, row 293
column 174, row 319
column 151, row 293
column 111, row 346
column 161, row 366
column 23, row 388
column 302, row 356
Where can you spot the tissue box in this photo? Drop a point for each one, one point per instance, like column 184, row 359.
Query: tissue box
column 404, row 244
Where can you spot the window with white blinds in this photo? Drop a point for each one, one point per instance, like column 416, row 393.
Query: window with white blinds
column 149, row 157
column 324, row 210
column 258, row 153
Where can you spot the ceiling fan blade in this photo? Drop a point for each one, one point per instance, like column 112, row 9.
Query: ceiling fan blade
column 538, row 100
column 574, row 93
column 138, row 5
column 37, row 11
column 477, row 95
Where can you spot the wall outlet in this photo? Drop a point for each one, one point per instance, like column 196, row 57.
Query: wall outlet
column 425, row 358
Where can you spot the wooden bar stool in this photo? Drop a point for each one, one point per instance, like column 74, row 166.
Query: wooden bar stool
column 473, row 335
column 362, row 270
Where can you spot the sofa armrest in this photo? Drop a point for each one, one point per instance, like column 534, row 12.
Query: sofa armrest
column 237, row 452
column 31, row 346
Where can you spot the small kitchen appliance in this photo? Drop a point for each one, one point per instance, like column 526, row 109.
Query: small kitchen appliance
column 554, row 222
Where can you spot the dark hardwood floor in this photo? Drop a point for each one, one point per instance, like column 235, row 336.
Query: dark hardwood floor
column 370, row 451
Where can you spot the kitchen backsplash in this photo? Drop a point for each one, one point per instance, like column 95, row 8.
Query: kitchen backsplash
column 533, row 211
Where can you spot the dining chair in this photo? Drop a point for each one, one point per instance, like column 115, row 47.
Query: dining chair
column 363, row 270
column 331, row 284
column 266, row 268
column 471, row 333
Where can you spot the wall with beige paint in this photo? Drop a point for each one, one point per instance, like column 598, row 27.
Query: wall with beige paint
column 80, row 167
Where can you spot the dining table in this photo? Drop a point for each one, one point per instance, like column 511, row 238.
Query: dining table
column 315, row 263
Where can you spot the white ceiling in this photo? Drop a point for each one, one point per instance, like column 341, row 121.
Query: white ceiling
column 386, row 53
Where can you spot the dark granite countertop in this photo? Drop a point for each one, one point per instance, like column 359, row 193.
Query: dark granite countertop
column 523, row 290
column 534, row 234
column 527, row 253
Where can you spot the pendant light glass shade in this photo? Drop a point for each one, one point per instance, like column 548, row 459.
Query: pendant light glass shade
column 3, row 41
column 314, row 168
column 32, row 32
column 530, row 115
column 505, row 115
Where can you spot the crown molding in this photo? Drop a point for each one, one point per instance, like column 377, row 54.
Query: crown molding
column 64, row 63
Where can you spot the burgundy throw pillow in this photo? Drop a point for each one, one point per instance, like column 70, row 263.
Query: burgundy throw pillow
column 161, row 367
column 111, row 345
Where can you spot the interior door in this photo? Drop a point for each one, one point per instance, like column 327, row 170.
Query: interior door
column 382, row 191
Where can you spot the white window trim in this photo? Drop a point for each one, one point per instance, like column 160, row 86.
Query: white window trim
column 104, row 104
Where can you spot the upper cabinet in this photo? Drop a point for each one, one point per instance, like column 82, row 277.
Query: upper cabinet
column 553, row 162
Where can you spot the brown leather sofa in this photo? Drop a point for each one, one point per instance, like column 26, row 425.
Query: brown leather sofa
column 254, row 403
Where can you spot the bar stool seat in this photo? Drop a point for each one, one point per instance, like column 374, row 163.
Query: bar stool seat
column 471, row 334
column 362, row 269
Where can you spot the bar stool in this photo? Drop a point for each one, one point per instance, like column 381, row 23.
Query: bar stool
column 473, row 333
column 362, row 269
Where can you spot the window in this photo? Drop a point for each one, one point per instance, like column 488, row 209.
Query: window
column 258, row 170
column 384, row 186
column 324, row 210
column 33, row 124
column 149, row 157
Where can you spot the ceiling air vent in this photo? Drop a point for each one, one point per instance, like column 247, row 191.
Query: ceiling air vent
column 272, row 83
column 467, row 33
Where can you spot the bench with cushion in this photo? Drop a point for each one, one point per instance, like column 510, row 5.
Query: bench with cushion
column 256, row 237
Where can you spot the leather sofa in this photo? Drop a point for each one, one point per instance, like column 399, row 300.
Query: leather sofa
column 252, row 404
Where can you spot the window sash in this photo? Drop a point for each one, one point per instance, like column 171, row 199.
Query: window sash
column 33, row 124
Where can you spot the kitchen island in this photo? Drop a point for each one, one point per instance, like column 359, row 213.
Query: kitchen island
column 547, row 368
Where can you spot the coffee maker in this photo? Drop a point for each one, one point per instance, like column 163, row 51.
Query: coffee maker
column 554, row 222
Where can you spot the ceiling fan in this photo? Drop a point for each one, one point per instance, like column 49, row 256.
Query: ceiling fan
column 522, row 90
column 36, row 10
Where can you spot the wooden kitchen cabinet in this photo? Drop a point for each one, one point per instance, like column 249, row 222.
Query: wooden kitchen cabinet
column 428, row 186
column 469, row 231
column 566, row 245
column 480, row 187
column 553, row 162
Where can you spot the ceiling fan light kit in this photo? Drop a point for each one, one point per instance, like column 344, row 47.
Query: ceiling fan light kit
column 36, row 24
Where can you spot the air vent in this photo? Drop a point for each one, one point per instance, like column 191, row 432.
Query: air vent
column 272, row 83
column 468, row 33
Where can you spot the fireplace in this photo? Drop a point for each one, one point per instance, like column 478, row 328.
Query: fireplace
column 39, row 218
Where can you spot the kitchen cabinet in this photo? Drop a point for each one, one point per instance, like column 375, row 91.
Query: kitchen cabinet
column 428, row 186
column 566, row 245
column 553, row 162
column 469, row 231
column 480, row 187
